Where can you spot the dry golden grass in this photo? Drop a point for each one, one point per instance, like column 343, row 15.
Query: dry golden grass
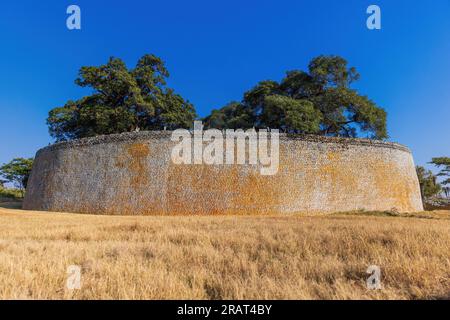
column 297, row 257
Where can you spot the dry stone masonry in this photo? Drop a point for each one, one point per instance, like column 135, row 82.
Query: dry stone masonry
column 132, row 174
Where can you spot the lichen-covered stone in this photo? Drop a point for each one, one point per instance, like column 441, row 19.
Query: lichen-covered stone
column 132, row 173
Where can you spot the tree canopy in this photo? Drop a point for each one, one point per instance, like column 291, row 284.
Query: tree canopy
column 122, row 100
column 428, row 182
column 320, row 101
column 444, row 163
column 17, row 172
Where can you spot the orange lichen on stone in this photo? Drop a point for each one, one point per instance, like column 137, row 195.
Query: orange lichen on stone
column 137, row 164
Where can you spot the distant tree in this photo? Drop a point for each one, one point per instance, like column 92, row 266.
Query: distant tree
column 17, row 172
column 428, row 182
column 444, row 163
column 122, row 100
column 320, row 101
column 446, row 191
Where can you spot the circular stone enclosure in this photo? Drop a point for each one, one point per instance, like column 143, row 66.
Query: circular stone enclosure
column 133, row 174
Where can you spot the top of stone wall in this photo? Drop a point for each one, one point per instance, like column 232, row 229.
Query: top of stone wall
column 145, row 135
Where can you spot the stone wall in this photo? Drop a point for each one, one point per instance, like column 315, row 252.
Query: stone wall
column 133, row 174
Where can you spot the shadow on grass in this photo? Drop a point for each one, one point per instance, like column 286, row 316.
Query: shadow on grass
column 14, row 204
column 444, row 297
column 420, row 215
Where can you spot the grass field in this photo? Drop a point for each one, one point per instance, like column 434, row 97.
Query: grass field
column 296, row 257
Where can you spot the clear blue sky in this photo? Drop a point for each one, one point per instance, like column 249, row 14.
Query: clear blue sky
column 216, row 50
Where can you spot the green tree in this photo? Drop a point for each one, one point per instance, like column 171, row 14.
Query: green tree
column 444, row 163
column 291, row 115
column 17, row 172
column 320, row 101
column 428, row 182
column 446, row 191
column 232, row 116
column 122, row 100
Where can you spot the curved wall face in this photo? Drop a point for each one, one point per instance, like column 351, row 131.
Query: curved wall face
column 133, row 174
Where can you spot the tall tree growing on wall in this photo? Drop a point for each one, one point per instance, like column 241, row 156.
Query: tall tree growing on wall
column 122, row 100
column 318, row 101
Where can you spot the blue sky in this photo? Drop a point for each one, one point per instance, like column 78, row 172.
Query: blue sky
column 216, row 50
